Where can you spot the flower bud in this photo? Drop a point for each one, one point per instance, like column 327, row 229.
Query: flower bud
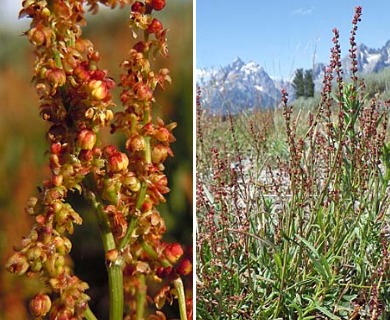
column 155, row 26
column 57, row 180
column 111, row 190
column 163, row 272
column 143, row 92
column 40, row 305
column 162, row 134
column 61, row 313
column 36, row 266
column 185, row 267
column 81, row 73
column 56, row 77
column 31, row 205
column 136, row 143
column 118, row 162
column 62, row 244
column 86, row 155
column 45, row 12
column 35, row 253
column 36, row 36
column 54, row 264
column 98, row 89
column 138, row 7
column 86, row 139
column 17, row 264
column 132, row 183
column 55, row 148
column 173, row 252
column 160, row 153
column 142, row 46
column 158, row 4
column 110, row 150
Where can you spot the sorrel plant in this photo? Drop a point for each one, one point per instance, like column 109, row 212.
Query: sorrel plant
column 123, row 185
column 303, row 235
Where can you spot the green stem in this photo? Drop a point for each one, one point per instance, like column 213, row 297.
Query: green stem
column 141, row 298
column 115, row 281
column 133, row 222
column 114, row 268
column 153, row 254
column 129, row 231
column 178, row 283
column 89, row 314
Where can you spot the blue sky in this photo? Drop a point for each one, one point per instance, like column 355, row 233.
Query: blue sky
column 283, row 35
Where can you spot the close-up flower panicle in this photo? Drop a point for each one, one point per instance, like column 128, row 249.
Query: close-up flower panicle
column 123, row 186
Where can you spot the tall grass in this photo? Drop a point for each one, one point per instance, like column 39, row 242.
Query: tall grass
column 300, row 232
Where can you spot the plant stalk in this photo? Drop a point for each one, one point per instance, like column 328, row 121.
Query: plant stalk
column 178, row 283
column 114, row 268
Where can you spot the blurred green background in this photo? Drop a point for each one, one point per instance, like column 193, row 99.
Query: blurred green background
column 23, row 162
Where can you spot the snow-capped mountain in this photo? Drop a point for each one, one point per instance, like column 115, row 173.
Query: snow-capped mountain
column 370, row 60
column 240, row 86
column 236, row 87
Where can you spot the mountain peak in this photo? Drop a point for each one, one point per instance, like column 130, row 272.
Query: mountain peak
column 240, row 86
column 237, row 87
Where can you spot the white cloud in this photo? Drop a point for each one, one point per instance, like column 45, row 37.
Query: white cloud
column 302, row 12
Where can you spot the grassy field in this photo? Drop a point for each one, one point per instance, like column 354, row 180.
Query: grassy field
column 293, row 206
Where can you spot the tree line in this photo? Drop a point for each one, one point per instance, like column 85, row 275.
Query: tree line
column 303, row 83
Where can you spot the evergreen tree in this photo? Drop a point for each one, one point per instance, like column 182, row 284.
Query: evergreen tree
column 299, row 83
column 309, row 83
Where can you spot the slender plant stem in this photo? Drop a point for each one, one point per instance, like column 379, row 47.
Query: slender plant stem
column 141, row 298
column 178, row 283
column 115, row 281
column 89, row 314
column 129, row 231
column 114, row 268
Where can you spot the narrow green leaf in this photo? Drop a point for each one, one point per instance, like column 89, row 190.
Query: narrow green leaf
column 319, row 261
column 327, row 313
